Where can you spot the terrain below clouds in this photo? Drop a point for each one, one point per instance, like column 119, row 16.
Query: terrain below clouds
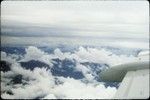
column 33, row 72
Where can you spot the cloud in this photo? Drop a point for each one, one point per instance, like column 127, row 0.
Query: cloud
column 81, row 55
column 50, row 96
column 102, row 56
column 33, row 53
column 9, row 57
column 75, row 89
column 40, row 83
column 99, row 56
column 86, row 72
column 126, row 41
column 73, row 19
column 71, row 12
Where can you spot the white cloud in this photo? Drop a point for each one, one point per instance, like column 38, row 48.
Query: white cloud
column 58, row 12
column 80, row 18
column 50, row 96
column 126, row 41
column 133, row 44
column 86, row 72
column 33, row 53
column 41, row 83
column 75, row 89
column 9, row 57
column 58, row 54
column 100, row 56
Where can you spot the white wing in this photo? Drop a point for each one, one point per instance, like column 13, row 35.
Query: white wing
column 135, row 85
column 134, row 78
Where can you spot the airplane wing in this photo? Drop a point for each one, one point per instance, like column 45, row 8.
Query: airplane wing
column 135, row 85
column 134, row 78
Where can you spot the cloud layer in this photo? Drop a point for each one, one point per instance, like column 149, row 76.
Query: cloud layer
column 62, row 21
column 40, row 83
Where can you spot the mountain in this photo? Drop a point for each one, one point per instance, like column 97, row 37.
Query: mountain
column 33, row 64
column 5, row 66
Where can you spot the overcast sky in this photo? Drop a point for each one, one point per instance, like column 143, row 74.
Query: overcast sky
column 99, row 19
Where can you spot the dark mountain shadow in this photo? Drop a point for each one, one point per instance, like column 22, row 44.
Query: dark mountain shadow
column 33, row 64
column 66, row 68
column 5, row 66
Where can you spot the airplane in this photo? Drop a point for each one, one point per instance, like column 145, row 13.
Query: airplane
column 134, row 78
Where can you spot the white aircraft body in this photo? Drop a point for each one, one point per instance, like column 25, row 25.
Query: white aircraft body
column 134, row 78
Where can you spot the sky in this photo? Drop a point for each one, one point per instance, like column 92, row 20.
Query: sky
column 119, row 23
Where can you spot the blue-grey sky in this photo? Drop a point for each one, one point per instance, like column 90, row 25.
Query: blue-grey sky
column 117, row 23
